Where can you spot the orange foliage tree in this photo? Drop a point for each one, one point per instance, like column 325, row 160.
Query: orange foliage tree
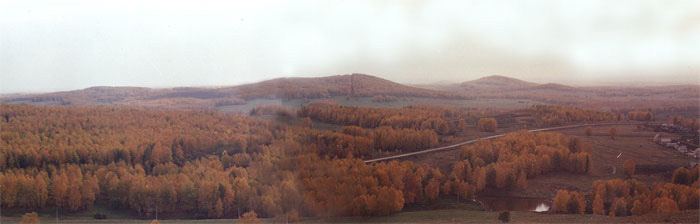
column 487, row 124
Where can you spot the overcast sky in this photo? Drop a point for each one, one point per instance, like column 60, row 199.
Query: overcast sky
column 49, row 46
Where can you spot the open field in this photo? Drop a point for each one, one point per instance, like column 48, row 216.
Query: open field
column 461, row 216
column 244, row 109
column 465, row 213
column 432, row 216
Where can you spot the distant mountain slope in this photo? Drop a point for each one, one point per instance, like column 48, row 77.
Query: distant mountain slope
column 339, row 85
column 551, row 86
column 359, row 85
column 498, row 82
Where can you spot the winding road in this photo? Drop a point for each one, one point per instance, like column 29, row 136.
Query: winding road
column 488, row 137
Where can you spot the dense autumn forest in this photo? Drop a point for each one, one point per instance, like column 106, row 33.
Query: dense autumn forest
column 210, row 165
column 200, row 163
column 630, row 197
column 442, row 120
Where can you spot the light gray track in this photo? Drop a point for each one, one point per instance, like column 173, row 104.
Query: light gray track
column 488, row 137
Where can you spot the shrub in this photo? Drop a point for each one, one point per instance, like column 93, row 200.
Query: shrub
column 504, row 216
column 100, row 216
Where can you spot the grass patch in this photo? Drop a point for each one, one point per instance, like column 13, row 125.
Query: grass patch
column 444, row 203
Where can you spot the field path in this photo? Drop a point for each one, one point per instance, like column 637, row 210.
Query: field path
column 453, row 146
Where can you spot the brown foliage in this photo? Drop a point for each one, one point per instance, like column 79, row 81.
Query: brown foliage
column 249, row 218
column 576, row 203
column 632, row 197
column 598, row 207
column 681, row 176
column 487, row 124
column 432, row 190
column 560, row 201
column 628, row 166
column 613, row 133
column 640, row 115
column 665, row 205
column 306, row 122
column 276, row 110
column 368, row 190
column 512, row 159
column 30, row 218
column 618, row 208
column 560, row 115
column 412, row 117
column 589, row 131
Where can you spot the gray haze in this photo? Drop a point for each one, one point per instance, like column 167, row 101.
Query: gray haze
column 49, row 46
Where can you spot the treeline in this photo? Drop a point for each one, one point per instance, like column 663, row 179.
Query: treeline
column 205, row 188
column 384, row 98
column 42, row 136
column 650, row 113
column 356, row 142
column 640, row 115
column 442, row 120
column 508, row 162
column 560, row 115
column 691, row 123
column 229, row 102
column 487, row 124
column 277, row 110
column 67, row 187
column 631, row 197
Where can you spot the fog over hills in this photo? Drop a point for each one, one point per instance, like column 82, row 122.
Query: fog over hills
column 355, row 85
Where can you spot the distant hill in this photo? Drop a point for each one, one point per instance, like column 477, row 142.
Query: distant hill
column 498, row 82
column 358, row 85
column 502, row 87
column 552, row 86
column 239, row 98
column 339, row 85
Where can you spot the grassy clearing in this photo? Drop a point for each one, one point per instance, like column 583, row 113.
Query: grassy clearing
column 462, row 216
column 367, row 102
column 444, row 203
column 432, row 216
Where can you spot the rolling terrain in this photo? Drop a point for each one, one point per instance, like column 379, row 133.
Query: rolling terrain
column 605, row 97
column 369, row 91
column 355, row 85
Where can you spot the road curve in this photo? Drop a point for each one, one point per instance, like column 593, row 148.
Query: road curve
column 488, row 137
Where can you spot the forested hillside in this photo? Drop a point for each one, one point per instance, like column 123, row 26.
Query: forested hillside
column 198, row 98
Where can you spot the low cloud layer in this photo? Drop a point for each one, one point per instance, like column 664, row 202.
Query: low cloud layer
column 47, row 46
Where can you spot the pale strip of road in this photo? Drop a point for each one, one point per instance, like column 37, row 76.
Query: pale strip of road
column 489, row 137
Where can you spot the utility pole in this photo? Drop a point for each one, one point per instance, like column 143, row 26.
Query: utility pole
column 156, row 212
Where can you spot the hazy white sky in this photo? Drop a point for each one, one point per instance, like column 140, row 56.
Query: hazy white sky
column 63, row 45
